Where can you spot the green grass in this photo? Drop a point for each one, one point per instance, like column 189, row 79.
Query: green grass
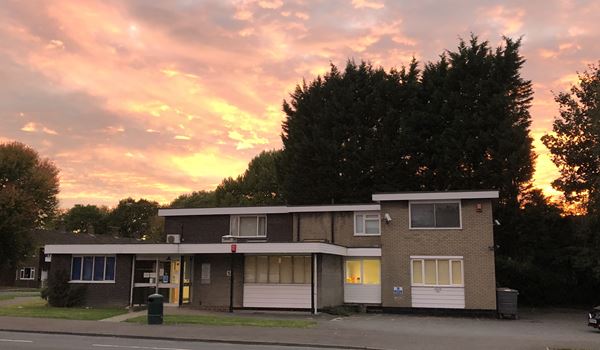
column 14, row 294
column 40, row 309
column 211, row 320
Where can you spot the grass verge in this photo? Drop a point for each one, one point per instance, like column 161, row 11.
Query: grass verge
column 40, row 309
column 211, row 320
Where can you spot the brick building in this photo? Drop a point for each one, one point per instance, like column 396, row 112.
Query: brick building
column 402, row 252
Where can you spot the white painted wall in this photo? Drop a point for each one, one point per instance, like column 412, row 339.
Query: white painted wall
column 362, row 293
column 438, row 297
column 295, row 296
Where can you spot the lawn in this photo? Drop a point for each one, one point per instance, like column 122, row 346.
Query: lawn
column 8, row 295
column 211, row 320
column 39, row 308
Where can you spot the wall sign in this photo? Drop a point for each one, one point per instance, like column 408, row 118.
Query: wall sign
column 398, row 291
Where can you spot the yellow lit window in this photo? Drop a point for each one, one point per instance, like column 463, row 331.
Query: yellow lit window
column 417, row 271
column 353, row 274
column 372, row 271
column 457, row 272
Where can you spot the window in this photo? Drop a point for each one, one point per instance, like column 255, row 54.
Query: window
column 277, row 269
column 205, row 273
column 27, row 273
column 435, row 215
column 367, row 224
column 93, row 269
column 363, row 271
column 437, row 272
column 248, row 226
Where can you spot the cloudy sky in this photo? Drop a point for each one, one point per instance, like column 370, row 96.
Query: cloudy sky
column 148, row 99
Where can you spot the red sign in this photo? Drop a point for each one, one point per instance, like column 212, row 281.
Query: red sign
column 233, row 248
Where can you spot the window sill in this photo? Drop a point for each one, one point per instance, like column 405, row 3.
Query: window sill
column 439, row 286
column 91, row 282
column 367, row 235
column 435, row 228
column 26, row 279
column 362, row 284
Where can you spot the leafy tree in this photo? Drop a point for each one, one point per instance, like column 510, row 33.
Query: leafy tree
column 86, row 219
column 259, row 185
column 575, row 143
column 133, row 218
column 198, row 199
column 28, row 189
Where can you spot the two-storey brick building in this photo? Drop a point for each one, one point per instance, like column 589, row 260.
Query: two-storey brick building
column 403, row 251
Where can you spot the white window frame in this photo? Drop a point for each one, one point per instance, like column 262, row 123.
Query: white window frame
column 364, row 220
column 437, row 258
column 459, row 202
column 239, row 221
column 104, row 280
column 31, row 274
column 362, row 271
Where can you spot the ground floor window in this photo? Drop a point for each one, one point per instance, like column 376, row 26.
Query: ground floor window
column 277, row 269
column 93, row 268
column 437, row 272
column 27, row 273
column 363, row 271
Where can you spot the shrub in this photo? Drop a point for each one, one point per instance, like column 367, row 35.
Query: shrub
column 61, row 293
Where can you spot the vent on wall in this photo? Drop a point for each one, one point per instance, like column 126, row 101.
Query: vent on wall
column 174, row 239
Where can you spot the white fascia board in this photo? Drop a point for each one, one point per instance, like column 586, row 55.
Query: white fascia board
column 267, row 210
column 415, row 196
column 223, row 211
column 209, row 248
column 363, row 252
column 111, row 249
column 330, row 208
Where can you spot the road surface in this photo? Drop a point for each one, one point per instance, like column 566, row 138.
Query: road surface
column 35, row 341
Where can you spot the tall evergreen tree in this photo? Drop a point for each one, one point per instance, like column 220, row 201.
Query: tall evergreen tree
column 477, row 108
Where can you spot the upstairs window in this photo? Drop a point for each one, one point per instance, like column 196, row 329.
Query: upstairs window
column 248, row 226
column 93, row 269
column 27, row 273
column 366, row 224
column 435, row 215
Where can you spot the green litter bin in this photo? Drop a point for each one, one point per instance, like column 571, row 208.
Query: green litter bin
column 155, row 309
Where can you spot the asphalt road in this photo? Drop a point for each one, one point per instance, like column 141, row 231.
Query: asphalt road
column 31, row 341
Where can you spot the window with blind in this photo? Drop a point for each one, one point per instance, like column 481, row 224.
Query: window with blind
column 437, row 272
column 277, row 269
column 248, row 226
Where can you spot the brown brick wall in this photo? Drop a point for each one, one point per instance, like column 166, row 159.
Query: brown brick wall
column 315, row 226
column 330, row 281
column 472, row 242
column 210, row 229
column 215, row 295
column 102, row 294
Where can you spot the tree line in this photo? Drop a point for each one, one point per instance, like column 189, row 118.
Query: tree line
column 461, row 122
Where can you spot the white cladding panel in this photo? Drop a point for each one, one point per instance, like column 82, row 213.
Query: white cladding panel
column 292, row 296
column 438, row 297
column 362, row 293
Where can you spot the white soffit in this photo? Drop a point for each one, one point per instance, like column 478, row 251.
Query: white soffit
column 415, row 196
column 267, row 210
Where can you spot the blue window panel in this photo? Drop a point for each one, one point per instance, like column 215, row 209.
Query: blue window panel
column 88, row 266
column 76, row 269
column 110, row 269
column 98, row 268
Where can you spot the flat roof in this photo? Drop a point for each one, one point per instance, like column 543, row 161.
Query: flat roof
column 414, row 196
column 282, row 209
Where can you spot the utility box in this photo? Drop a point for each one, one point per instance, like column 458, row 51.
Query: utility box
column 155, row 309
column 506, row 301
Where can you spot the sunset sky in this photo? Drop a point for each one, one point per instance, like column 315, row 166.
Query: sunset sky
column 148, row 99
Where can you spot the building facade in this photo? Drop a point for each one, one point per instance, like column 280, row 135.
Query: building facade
column 404, row 251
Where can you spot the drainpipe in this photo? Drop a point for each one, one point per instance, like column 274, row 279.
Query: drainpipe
column 313, row 286
column 231, row 284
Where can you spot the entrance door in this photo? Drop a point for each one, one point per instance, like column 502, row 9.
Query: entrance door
column 168, row 279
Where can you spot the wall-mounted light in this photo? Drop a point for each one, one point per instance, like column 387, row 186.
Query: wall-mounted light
column 478, row 208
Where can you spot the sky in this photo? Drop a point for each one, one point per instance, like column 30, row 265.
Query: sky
column 154, row 99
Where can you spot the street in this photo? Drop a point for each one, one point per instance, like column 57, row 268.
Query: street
column 30, row 341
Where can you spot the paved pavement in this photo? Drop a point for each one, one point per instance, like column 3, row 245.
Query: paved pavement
column 539, row 330
column 33, row 341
